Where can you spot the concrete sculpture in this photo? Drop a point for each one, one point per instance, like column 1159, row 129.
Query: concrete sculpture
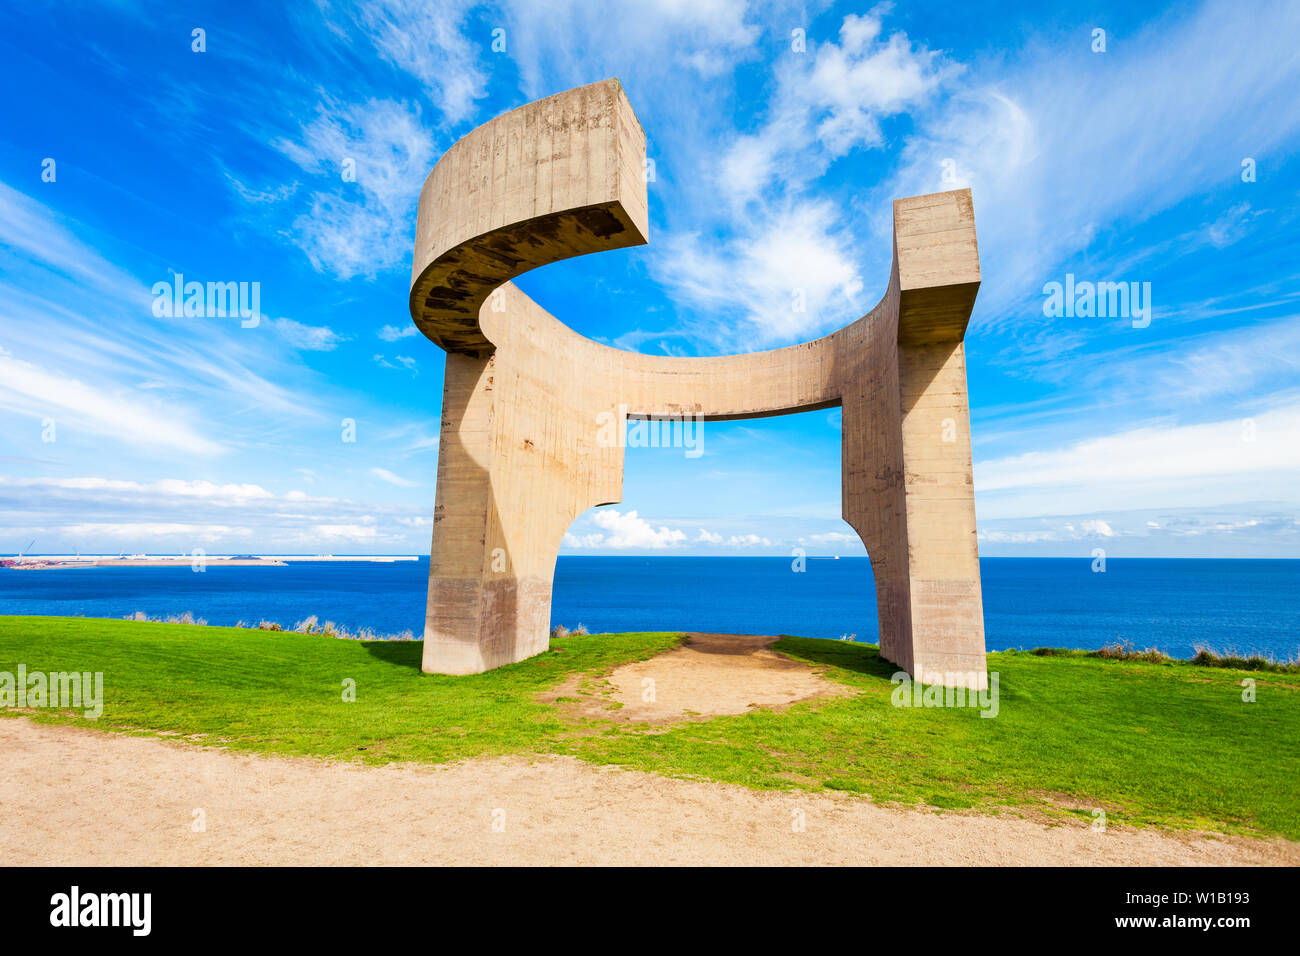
column 521, row 457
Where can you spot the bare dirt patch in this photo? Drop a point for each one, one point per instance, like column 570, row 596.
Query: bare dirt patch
column 708, row 676
column 70, row 796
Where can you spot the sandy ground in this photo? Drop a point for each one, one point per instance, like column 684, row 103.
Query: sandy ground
column 77, row 796
column 84, row 797
column 710, row 675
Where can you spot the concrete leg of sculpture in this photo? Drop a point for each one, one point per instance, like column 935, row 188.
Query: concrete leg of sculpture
column 489, row 581
column 947, row 615
column 908, row 494
column 938, row 269
column 522, row 454
column 874, row 506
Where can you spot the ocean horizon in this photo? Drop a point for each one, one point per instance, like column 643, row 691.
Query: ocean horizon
column 1175, row 605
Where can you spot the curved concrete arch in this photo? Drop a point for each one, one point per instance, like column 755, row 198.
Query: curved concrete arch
column 550, row 180
column 533, row 412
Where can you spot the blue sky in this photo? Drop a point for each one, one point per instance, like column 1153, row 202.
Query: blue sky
column 774, row 170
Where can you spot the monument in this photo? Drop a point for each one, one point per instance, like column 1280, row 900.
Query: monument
column 520, row 454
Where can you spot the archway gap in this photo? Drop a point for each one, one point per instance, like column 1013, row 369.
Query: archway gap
column 739, row 533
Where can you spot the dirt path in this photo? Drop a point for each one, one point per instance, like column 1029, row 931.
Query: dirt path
column 709, row 675
column 75, row 796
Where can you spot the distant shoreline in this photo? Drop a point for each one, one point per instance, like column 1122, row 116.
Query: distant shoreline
column 58, row 562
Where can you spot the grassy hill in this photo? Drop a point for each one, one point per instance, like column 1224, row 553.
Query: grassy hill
column 1169, row 744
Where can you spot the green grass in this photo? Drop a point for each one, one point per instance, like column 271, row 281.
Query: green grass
column 1170, row 744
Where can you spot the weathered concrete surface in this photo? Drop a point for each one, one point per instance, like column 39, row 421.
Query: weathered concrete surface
column 529, row 405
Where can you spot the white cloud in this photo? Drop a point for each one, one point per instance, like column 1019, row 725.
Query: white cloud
column 361, row 227
column 67, row 514
column 1019, row 537
column 791, row 277
column 1230, row 226
column 28, row 227
column 832, row 537
column 1097, row 527
column 311, row 338
column 862, row 79
column 211, row 493
column 43, row 394
column 230, row 493
column 1058, row 531
column 829, row 103
column 714, row 539
column 1058, row 149
column 403, row 361
column 349, row 532
column 138, row 530
column 628, row 530
column 1250, row 530
column 583, row 540
column 1211, row 462
column 386, row 475
column 430, row 41
column 786, row 268
column 391, row 333
column 557, row 44
column 1232, row 363
column 118, row 382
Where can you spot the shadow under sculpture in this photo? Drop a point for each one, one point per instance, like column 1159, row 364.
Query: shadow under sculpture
column 523, row 450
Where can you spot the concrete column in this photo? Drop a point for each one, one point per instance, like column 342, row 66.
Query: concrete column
column 938, row 272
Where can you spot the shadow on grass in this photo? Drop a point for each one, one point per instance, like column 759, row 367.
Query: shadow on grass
column 397, row 653
column 859, row 658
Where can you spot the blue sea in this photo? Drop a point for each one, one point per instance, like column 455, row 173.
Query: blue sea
column 1173, row 605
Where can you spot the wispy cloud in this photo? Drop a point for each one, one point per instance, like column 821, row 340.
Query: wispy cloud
column 176, row 515
column 789, row 278
column 1171, row 465
column 50, row 396
column 312, row 338
column 30, row 230
column 402, row 361
column 384, row 474
column 391, row 333
column 368, row 161
column 558, row 44
column 830, row 102
column 432, row 43
column 776, row 265
column 1063, row 145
